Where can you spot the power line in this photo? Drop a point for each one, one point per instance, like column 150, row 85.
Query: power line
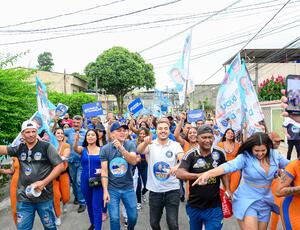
column 190, row 27
column 61, row 15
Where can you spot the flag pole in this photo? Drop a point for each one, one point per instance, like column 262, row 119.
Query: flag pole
column 187, row 73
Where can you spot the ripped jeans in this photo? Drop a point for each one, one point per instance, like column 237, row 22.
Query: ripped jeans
column 26, row 213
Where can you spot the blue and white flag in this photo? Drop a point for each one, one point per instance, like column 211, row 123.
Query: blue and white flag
column 92, row 109
column 195, row 115
column 42, row 101
column 135, row 106
column 61, row 110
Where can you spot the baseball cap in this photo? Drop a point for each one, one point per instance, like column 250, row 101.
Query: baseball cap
column 116, row 125
column 100, row 127
column 28, row 125
column 275, row 137
column 204, row 129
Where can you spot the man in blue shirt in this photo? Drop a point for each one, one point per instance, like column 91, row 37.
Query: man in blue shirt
column 117, row 159
column 75, row 168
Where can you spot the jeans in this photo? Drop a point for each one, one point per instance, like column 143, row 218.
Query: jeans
column 128, row 198
column 26, row 214
column 75, row 171
column 212, row 218
column 142, row 168
column 157, row 201
column 291, row 144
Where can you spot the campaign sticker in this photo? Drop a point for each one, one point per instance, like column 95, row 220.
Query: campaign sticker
column 37, row 156
column 27, row 171
column 118, row 167
column 201, row 162
column 215, row 164
column 169, row 154
column 161, row 171
column 295, row 129
column 215, row 156
column 23, row 156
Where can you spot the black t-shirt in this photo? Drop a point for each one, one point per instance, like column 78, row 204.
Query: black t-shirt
column 203, row 196
column 293, row 131
column 35, row 165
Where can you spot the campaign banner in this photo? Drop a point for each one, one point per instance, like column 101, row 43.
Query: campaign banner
column 135, row 106
column 195, row 115
column 92, row 109
column 42, row 101
column 61, row 110
column 228, row 103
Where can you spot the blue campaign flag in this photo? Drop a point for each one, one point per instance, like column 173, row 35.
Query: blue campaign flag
column 195, row 115
column 135, row 106
column 92, row 109
column 61, row 110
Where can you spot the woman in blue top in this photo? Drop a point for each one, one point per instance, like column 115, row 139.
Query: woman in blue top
column 253, row 200
column 91, row 168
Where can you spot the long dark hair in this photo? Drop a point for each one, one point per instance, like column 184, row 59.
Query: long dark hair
column 147, row 132
column 85, row 143
column 224, row 136
column 187, row 134
column 256, row 139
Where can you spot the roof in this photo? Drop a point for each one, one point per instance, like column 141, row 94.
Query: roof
column 268, row 55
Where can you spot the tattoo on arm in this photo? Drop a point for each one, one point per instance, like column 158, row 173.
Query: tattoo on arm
column 291, row 190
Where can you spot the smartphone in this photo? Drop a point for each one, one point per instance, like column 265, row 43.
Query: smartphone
column 293, row 94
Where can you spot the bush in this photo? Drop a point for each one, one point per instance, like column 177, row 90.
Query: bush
column 270, row 89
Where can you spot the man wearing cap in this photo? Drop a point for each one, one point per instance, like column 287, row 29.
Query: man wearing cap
column 40, row 164
column 117, row 159
column 204, row 204
column 162, row 155
column 74, row 161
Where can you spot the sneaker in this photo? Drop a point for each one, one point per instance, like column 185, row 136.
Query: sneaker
column 182, row 198
column 64, row 209
column 91, row 227
column 76, row 201
column 104, row 216
column 81, row 208
column 144, row 198
column 138, row 206
column 57, row 221
column 125, row 224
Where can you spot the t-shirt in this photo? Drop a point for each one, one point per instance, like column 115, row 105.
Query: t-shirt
column 292, row 129
column 160, row 159
column 35, row 165
column 203, row 196
column 69, row 133
column 119, row 171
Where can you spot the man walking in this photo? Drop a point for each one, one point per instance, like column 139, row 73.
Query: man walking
column 117, row 159
column 40, row 164
column 204, row 204
column 162, row 155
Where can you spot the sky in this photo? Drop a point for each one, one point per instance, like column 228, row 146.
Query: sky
column 77, row 31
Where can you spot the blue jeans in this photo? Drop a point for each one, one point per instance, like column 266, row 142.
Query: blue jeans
column 128, row 198
column 75, row 171
column 212, row 218
column 157, row 201
column 26, row 213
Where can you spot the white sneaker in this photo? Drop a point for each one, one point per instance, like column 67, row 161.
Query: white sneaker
column 57, row 221
column 64, row 209
column 138, row 206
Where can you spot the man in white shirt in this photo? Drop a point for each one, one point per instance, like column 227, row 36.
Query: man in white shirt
column 162, row 155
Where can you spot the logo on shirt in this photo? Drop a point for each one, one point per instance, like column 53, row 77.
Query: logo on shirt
column 28, row 171
column 118, row 167
column 161, row 171
column 215, row 156
column 295, row 129
column 200, row 163
column 37, row 156
column 169, row 154
column 23, row 156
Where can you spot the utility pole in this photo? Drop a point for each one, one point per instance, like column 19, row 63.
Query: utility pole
column 97, row 96
column 65, row 87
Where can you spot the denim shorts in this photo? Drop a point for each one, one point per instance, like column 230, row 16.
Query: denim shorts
column 259, row 209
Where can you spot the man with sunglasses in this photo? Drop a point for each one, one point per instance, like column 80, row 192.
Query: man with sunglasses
column 40, row 164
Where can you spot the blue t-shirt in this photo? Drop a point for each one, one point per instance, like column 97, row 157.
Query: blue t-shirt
column 119, row 171
column 69, row 133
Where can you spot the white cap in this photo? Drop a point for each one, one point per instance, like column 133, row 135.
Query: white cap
column 28, row 125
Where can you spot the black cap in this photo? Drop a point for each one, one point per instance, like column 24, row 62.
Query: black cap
column 204, row 129
column 100, row 127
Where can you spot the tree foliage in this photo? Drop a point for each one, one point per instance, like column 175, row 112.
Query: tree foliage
column 119, row 72
column 17, row 102
column 45, row 61
column 73, row 101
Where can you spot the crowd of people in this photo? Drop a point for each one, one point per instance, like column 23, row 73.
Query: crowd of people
column 112, row 167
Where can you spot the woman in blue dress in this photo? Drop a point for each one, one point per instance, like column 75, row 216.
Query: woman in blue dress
column 253, row 201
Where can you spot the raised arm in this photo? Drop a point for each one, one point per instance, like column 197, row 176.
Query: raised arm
column 178, row 129
column 3, row 150
column 142, row 146
column 132, row 126
column 77, row 148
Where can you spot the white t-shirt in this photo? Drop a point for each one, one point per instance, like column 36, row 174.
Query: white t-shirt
column 160, row 159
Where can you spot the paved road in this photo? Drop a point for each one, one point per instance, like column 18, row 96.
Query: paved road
column 74, row 221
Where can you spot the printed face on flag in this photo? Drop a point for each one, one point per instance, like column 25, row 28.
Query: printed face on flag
column 176, row 75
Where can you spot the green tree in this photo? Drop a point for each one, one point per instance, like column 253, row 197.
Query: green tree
column 119, row 72
column 17, row 102
column 73, row 101
column 205, row 104
column 45, row 61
